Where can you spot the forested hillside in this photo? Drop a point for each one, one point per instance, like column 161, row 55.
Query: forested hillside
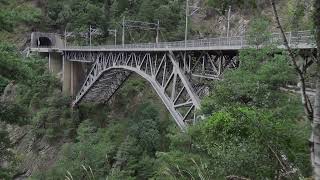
column 252, row 127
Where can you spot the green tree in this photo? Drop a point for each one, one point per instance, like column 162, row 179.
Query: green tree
column 259, row 33
column 222, row 5
column 12, row 15
column 316, row 118
column 250, row 126
column 5, row 153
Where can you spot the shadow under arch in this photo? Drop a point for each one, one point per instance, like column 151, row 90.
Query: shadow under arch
column 157, row 87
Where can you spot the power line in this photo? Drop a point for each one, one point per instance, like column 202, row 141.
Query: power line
column 193, row 11
column 133, row 24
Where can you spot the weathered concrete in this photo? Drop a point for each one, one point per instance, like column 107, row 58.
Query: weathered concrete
column 73, row 75
column 66, row 76
column 39, row 39
column 77, row 76
column 55, row 63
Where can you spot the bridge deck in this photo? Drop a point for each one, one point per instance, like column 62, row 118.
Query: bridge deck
column 177, row 71
column 297, row 40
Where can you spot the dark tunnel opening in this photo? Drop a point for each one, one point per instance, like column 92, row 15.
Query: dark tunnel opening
column 44, row 41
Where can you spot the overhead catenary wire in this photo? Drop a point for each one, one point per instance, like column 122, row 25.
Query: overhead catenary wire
column 134, row 24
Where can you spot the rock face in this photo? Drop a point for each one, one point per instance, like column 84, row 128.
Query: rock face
column 9, row 93
column 213, row 21
column 34, row 154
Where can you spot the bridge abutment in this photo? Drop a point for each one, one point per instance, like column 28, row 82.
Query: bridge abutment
column 55, row 63
column 73, row 75
column 66, row 77
column 70, row 73
column 77, row 76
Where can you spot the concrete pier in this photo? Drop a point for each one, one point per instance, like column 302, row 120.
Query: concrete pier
column 55, row 62
column 77, row 76
column 73, row 76
column 66, row 77
column 70, row 73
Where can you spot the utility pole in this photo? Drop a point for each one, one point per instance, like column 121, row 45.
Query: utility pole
column 158, row 28
column 65, row 37
column 194, row 10
column 229, row 14
column 114, row 31
column 90, row 37
column 186, row 30
column 115, row 37
column 123, row 26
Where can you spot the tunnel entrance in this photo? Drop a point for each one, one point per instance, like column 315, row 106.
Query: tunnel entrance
column 44, row 41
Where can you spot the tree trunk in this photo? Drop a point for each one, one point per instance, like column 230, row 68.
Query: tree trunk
column 312, row 113
column 315, row 137
column 305, row 99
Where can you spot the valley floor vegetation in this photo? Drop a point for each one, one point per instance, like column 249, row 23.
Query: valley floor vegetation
column 252, row 128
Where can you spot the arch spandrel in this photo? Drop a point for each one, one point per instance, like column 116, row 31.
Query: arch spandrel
column 169, row 74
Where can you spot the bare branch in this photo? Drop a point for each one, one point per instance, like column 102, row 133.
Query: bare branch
column 317, row 26
column 305, row 99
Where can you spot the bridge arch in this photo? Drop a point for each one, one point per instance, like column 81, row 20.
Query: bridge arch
column 157, row 88
column 177, row 77
column 163, row 73
column 204, row 59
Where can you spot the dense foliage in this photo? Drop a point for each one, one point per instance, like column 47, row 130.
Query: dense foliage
column 5, row 155
column 251, row 128
column 13, row 14
column 30, row 94
column 223, row 5
column 78, row 16
column 124, row 149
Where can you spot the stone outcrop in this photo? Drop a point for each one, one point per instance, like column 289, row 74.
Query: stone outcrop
column 34, row 154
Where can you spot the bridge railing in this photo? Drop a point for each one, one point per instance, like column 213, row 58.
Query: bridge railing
column 294, row 38
column 237, row 42
column 45, row 47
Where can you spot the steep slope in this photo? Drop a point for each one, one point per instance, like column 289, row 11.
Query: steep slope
column 129, row 138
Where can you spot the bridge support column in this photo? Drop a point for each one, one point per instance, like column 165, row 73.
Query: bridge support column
column 73, row 75
column 77, row 76
column 66, row 76
column 55, row 63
